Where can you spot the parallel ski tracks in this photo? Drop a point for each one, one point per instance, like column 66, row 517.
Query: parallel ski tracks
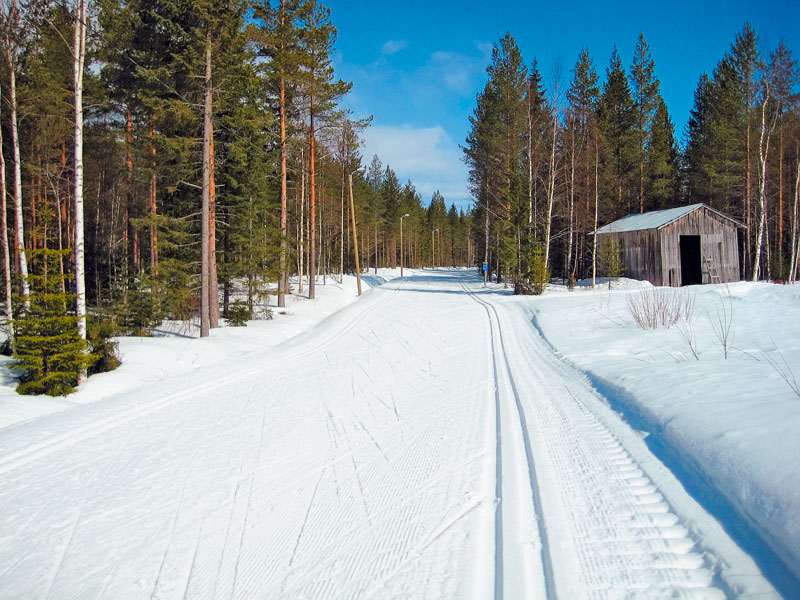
column 604, row 530
column 518, row 506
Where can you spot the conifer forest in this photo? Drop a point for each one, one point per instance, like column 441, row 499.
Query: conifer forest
column 183, row 159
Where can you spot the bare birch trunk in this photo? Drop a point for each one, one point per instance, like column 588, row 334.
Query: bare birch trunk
column 571, row 233
column 795, row 240
column 312, row 207
column 6, row 253
column 19, row 225
column 341, row 226
column 551, row 186
column 79, row 52
column 596, row 210
column 763, row 155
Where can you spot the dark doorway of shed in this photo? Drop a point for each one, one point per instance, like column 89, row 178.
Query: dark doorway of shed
column 691, row 269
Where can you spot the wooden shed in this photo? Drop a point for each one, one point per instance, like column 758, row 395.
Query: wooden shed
column 679, row 246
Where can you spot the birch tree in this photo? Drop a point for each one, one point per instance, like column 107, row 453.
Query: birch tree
column 12, row 27
column 4, row 239
column 79, row 56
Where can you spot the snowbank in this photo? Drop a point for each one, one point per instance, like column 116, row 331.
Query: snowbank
column 729, row 423
column 176, row 349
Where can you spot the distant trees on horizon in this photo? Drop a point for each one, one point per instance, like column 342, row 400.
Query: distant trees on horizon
column 550, row 160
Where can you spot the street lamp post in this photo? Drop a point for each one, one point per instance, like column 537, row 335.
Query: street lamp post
column 401, row 243
column 353, row 221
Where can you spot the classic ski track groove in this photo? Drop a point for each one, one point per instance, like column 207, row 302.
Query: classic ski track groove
column 391, row 497
column 542, row 583
column 578, row 455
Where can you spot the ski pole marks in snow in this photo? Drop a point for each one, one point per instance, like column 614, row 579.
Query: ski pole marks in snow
column 378, row 479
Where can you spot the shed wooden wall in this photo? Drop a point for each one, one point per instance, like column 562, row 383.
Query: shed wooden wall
column 641, row 255
column 654, row 255
column 718, row 242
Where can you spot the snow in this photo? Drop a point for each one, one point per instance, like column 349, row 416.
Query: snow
column 655, row 219
column 730, row 423
column 175, row 349
column 420, row 441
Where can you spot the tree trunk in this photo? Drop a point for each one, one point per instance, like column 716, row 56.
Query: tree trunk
column 301, row 233
column 596, row 210
column 19, row 227
column 312, row 206
column 79, row 54
column 4, row 239
column 551, row 189
column 213, row 282
column 341, row 226
column 283, row 276
column 763, row 155
column 153, row 207
column 795, row 258
column 780, row 200
column 205, row 313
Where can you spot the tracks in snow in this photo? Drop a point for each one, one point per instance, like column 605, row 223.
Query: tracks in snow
column 521, row 559
column 576, row 516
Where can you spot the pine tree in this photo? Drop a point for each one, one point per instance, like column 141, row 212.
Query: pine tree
column 277, row 37
column 322, row 93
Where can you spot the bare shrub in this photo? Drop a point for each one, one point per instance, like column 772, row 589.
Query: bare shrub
column 660, row 307
column 782, row 368
column 722, row 322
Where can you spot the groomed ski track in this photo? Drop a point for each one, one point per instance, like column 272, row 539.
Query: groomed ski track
column 424, row 442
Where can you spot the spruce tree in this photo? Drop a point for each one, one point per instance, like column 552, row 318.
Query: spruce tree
column 582, row 97
column 661, row 170
column 50, row 353
column 644, row 92
column 618, row 121
column 390, row 194
column 508, row 78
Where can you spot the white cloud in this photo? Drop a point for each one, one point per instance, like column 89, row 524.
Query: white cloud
column 393, row 46
column 457, row 71
column 425, row 155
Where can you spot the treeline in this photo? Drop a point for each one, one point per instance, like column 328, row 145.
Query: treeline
column 161, row 158
column 549, row 159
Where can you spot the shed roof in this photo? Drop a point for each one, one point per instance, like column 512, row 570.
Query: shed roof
column 655, row 219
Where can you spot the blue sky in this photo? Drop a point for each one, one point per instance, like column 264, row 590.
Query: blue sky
column 417, row 66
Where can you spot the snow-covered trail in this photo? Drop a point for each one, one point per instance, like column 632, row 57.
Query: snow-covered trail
column 423, row 442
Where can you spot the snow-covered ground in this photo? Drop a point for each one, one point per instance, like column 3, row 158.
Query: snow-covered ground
column 728, row 424
column 176, row 349
column 424, row 441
